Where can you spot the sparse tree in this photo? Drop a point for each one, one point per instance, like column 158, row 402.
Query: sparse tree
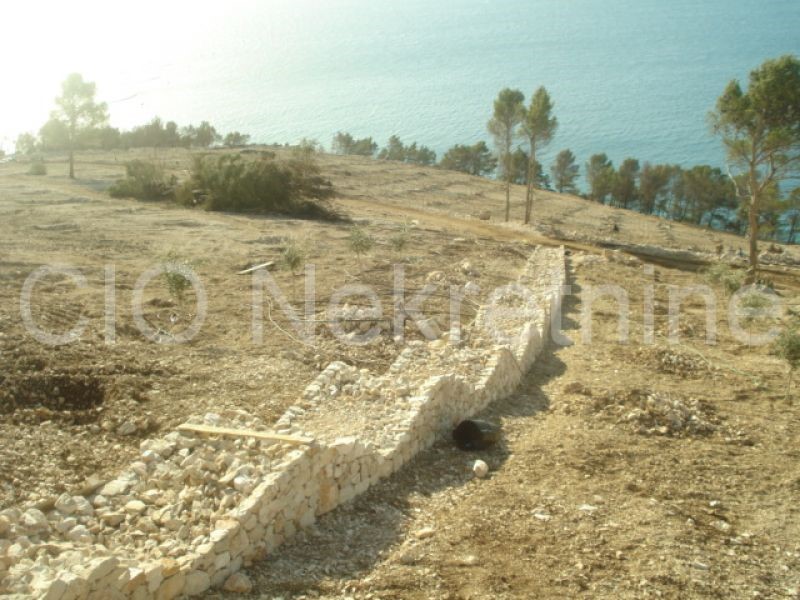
column 793, row 214
column 565, row 172
column 394, row 150
column 509, row 111
column 624, row 188
column 600, row 175
column 78, row 111
column 26, row 144
column 235, row 139
column 475, row 160
column 760, row 129
column 204, row 135
column 344, row 143
column 539, row 126
column 653, row 184
column 54, row 135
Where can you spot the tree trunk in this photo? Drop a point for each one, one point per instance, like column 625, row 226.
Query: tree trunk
column 508, row 197
column 508, row 179
column 752, row 220
column 792, row 229
column 531, row 183
column 71, row 163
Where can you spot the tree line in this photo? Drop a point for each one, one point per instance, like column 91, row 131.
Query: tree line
column 759, row 127
column 79, row 121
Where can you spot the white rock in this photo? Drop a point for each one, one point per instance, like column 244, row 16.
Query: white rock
column 243, row 484
column 135, row 507
column 64, row 525
column 197, row 582
column 115, row 487
column 34, row 520
column 425, row 533
column 112, row 519
column 82, row 506
column 480, row 468
column 238, row 583
column 80, row 534
column 65, row 504
column 127, row 428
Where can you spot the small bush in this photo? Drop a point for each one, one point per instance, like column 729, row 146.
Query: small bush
column 143, row 180
column 729, row 278
column 38, row 167
column 232, row 183
column 787, row 347
column 400, row 240
column 360, row 242
column 293, row 256
column 176, row 279
column 754, row 301
column 184, row 195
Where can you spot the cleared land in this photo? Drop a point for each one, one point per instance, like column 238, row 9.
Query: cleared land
column 593, row 493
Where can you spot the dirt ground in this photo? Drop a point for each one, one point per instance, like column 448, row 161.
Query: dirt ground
column 598, row 490
column 78, row 410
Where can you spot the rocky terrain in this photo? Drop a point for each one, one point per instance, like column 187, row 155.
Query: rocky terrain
column 628, row 468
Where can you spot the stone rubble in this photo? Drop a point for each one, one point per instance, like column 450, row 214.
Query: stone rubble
column 193, row 510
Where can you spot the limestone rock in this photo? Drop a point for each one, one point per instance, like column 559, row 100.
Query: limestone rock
column 480, row 468
column 238, row 583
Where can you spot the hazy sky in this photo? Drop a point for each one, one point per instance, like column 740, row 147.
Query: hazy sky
column 119, row 45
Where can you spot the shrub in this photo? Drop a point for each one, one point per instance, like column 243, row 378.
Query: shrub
column 400, row 239
column 754, row 301
column 360, row 242
column 787, row 347
column 143, row 180
column 293, row 256
column 230, row 182
column 729, row 278
column 344, row 143
column 176, row 278
column 38, row 167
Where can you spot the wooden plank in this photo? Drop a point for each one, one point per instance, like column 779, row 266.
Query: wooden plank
column 265, row 265
column 261, row 435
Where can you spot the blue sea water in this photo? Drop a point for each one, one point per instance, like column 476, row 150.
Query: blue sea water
column 628, row 77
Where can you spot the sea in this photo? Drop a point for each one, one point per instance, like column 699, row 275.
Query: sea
column 631, row 78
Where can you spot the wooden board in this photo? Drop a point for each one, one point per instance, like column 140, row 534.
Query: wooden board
column 261, row 435
column 265, row 265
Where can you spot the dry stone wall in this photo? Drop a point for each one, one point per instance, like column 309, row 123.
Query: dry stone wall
column 193, row 510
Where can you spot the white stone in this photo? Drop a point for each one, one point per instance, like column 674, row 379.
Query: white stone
column 112, row 519
column 480, row 468
column 34, row 520
column 80, row 534
column 135, row 507
column 197, row 582
column 82, row 506
column 115, row 487
column 65, row 504
column 126, row 428
column 238, row 583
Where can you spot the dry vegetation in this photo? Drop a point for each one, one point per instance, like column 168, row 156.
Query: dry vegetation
column 628, row 470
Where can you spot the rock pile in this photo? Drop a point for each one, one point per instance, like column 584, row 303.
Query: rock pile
column 192, row 510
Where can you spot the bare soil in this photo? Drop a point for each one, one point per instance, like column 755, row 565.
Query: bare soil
column 598, row 489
